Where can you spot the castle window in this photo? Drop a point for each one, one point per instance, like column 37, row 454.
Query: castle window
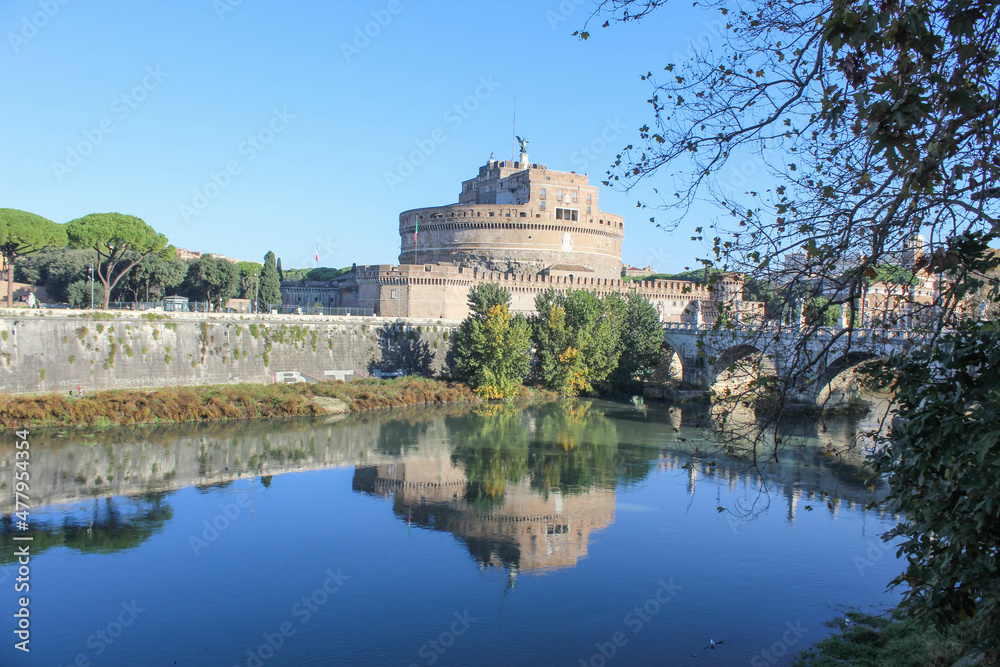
column 392, row 294
column 541, row 193
column 588, row 197
column 588, row 209
column 567, row 214
column 541, row 205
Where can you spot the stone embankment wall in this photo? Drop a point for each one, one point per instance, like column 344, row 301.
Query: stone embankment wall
column 45, row 350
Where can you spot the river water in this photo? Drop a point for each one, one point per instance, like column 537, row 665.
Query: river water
column 586, row 533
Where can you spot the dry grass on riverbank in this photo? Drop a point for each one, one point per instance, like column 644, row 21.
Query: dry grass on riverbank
column 218, row 402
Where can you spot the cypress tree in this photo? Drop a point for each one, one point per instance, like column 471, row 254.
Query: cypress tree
column 270, row 283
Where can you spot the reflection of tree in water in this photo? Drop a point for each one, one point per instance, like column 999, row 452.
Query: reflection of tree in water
column 571, row 446
column 492, row 445
column 395, row 436
column 112, row 525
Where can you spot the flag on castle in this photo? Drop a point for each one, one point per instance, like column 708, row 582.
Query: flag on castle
column 416, row 228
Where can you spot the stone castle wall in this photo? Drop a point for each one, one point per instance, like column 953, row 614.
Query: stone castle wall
column 519, row 239
column 441, row 291
column 44, row 351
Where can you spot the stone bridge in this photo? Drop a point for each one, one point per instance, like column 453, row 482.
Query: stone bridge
column 706, row 358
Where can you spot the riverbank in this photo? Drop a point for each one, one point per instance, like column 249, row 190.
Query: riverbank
column 893, row 640
column 228, row 402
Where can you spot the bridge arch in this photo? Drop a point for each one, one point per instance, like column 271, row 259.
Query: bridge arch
column 670, row 369
column 736, row 367
column 838, row 384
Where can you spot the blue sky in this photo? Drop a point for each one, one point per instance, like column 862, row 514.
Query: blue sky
column 239, row 127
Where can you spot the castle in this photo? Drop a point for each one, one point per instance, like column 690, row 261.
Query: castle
column 522, row 225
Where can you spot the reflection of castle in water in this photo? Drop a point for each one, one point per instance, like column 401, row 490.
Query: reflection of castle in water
column 528, row 531
column 525, row 489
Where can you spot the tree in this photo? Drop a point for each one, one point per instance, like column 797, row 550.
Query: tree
column 79, row 292
column 22, row 233
column 492, row 349
column 55, row 268
column 154, row 275
column 249, row 279
column 213, row 279
column 114, row 236
column 576, row 337
column 639, row 344
column 281, row 274
column 270, row 284
column 942, row 464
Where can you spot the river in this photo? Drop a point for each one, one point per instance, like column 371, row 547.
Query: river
column 584, row 533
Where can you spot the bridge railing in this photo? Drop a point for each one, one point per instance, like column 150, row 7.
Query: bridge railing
column 867, row 333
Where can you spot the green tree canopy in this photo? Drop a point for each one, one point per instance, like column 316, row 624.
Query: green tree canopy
column 639, row 344
column 576, row 336
column 22, row 233
column 213, row 279
column 492, row 349
column 79, row 292
column 54, row 268
column 942, row 463
column 114, row 236
column 270, row 283
column 249, row 279
column 154, row 275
